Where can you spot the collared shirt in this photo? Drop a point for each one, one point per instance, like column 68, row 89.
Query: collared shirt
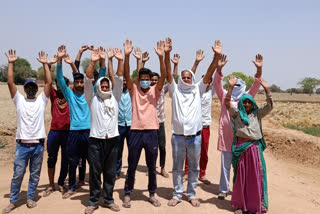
column 103, row 124
column 206, row 101
column 160, row 104
column 186, row 109
column 125, row 109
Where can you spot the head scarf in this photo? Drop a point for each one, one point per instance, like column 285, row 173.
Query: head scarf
column 242, row 110
column 239, row 89
column 105, row 96
column 186, row 87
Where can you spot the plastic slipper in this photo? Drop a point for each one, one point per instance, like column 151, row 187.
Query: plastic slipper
column 126, row 202
column 194, row 202
column 90, row 209
column 173, row 202
column 9, row 208
column 113, row 207
column 155, row 202
column 204, row 180
column 47, row 192
column 31, row 203
column 68, row 194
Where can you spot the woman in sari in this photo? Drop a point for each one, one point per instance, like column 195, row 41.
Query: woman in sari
column 250, row 192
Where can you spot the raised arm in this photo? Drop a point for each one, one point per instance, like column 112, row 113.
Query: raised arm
column 110, row 64
column 232, row 81
column 175, row 61
column 217, row 49
column 11, row 59
column 218, row 78
column 160, row 51
column 145, row 58
column 60, row 79
column 127, row 51
column 167, row 50
column 269, row 106
column 69, row 61
column 137, row 55
column 118, row 55
column 256, row 84
column 78, row 57
column 47, row 75
column 199, row 58
column 95, row 57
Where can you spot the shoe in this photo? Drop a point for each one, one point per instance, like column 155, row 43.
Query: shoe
column 222, row 195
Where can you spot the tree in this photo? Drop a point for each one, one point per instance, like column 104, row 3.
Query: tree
column 40, row 73
column 318, row 91
column 247, row 79
column 85, row 64
column 309, row 84
column 22, row 71
column 134, row 75
column 3, row 73
column 275, row 88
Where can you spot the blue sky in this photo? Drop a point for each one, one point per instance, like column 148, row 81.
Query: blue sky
column 286, row 33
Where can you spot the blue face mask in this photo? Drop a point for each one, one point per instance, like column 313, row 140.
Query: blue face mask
column 145, row 84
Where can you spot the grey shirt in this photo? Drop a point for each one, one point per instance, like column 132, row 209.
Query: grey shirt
column 251, row 131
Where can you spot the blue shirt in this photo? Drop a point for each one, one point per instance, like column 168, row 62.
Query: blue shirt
column 125, row 110
column 79, row 109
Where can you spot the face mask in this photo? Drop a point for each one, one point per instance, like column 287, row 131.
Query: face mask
column 145, row 84
column 31, row 92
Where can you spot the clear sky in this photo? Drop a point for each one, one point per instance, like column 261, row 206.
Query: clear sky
column 286, row 33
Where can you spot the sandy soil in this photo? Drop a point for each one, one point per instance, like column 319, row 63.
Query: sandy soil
column 294, row 186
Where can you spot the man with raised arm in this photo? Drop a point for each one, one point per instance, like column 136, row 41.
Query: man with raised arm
column 104, row 136
column 144, row 124
column 186, row 124
column 225, row 137
column 77, row 146
column 30, row 133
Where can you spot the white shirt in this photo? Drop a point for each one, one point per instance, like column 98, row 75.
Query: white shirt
column 186, row 109
column 102, row 124
column 30, row 116
column 206, row 101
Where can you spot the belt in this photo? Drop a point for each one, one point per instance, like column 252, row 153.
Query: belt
column 190, row 136
column 205, row 127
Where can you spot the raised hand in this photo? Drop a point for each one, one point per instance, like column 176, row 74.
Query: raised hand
column 217, row 48
column 168, row 45
column 11, row 56
column 61, row 51
column 117, row 53
column 127, row 47
column 42, row 57
column 67, row 59
column 259, row 61
column 102, row 53
column 110, row 53
column 95, row 55
column 53, row 60
column 160, row 48
column 84, row 48
column 176, row 58
column 91, row 47
column 232, row 81
column 145, row 57
column 199, row 55
column 264, row 84
column 137, row 53
column 222, row 61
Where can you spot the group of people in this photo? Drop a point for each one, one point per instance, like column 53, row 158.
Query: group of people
column 91, row 120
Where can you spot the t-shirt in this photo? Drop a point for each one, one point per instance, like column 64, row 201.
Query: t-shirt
column 144, row 108
column 30, row 116
column 103, row 124
column 59, row 111
column 206, row 101
column 125, row 109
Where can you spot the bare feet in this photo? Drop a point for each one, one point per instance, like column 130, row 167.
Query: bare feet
column 9, row 208
column 68, row 194
column 164, row 173
column 126, row 201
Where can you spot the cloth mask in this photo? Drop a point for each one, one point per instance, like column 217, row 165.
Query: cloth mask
column 105, row 96
column 145, row 84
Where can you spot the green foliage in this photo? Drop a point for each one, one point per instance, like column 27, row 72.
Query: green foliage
column 314, row 131
column 318, row 91
column 22, row 70
column 40, row 73
column 4, row 73
column 247, row 79
column 275, row 88
column 134, row 75
column 309, row 84
column 85, row 64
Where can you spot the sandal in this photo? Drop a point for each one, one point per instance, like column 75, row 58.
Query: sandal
column 61, row 189
column 9, row 208
column 173, row 202
column 68, row 194
column 238, row 211
column 194, row 202
column 90, row 209
column 113, row 207
column 48, row 192
column 155, row 202
column 126, row 202
column 204, row 180
column 164, row 174
column 31, row 203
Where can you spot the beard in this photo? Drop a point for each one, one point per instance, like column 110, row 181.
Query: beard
column 79, row 88
column 31, row 92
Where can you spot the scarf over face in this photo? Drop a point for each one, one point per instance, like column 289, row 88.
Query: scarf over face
column 239, row 89
column 186, row 87
column 242, row 110
column 105, row 96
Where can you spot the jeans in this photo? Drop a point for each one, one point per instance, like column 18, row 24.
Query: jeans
column 102, row 158
column 77, row 148
column 82, row 168
column 25, row 154
column 124, row 132
column 162, row 144
column 180, row 147
column 148, row 140
column 226, row 159
column 57, row 138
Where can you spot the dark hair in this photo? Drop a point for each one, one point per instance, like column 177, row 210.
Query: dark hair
column 154, row 74
column 145, row 71
column 95, row 73
column 104, row 80
column 65, row 79
column 77, row 76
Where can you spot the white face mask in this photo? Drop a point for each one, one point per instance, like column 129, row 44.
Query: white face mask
column 106, row 96
column 186, row 87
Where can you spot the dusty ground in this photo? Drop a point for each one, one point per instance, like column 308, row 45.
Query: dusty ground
column 294, row 185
